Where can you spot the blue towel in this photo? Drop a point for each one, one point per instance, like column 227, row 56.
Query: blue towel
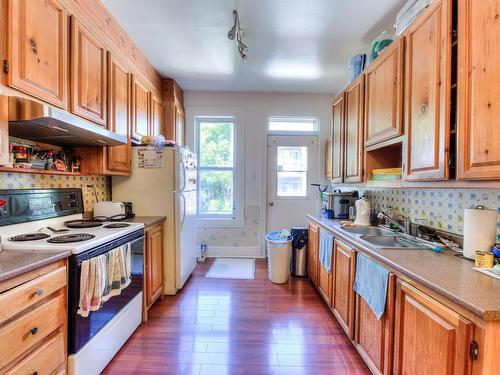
column 371, row 283
column 325, row 249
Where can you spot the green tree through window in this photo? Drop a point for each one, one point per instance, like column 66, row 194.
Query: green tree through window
column 216, row 167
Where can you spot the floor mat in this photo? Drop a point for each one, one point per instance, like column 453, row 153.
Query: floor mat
column 232, row 268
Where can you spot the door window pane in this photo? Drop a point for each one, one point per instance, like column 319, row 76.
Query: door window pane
column 216, row 144
column 292, row 184
column 216, row 192
column 291, row 158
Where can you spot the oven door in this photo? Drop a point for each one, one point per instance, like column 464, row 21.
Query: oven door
column 81, row 330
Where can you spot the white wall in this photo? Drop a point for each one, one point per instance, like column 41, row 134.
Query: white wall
column 256, row 108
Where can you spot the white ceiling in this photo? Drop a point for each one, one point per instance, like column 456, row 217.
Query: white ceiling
column 294, row 45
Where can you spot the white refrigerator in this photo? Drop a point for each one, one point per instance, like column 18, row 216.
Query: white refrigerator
column 163, row 183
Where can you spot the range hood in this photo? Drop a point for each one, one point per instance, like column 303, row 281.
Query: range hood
column 42, row 123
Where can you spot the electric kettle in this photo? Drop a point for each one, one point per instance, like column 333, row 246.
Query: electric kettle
column 362, row 212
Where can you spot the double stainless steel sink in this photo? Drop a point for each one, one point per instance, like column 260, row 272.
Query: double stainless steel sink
column 387, row 239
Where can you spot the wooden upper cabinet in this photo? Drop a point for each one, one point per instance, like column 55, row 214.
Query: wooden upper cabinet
column 38, row 49
column 312, row 252
column 338, row 140
column 328, row 158
column 354, row 107
column 119, row 113
column 175, row 119
column 343, row 299
column 141, row 118
column 374, row 337
column 478, row 151
column 384, row 92
column 88, row 74
column 429, row 337
column 156, row 116
column 427, row 82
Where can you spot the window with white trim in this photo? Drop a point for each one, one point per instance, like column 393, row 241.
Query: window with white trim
column 293, row 125
column 218, row 172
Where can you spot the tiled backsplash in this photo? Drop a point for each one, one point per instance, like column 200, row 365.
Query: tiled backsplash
column 440, row 208
column 246, row 236
column 39, row 181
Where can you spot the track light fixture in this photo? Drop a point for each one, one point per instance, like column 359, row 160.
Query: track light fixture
column 237, row 32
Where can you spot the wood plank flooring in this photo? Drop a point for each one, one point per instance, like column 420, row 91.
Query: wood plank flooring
column 239, row 327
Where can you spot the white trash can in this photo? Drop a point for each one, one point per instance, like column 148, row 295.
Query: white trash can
column 279, row 251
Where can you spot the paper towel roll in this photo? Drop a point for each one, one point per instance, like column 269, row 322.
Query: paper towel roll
column 480, row 230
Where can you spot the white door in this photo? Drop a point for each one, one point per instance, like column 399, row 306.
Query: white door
column 292, row 166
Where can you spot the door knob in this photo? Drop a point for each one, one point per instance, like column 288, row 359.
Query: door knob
column 271, row 204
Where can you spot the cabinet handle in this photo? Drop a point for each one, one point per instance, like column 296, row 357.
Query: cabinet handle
column 35, row 373
column 38, row 292
column 34, row 330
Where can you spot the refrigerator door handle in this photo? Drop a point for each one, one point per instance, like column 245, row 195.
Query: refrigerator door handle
column 183, row 209
column 183, row 169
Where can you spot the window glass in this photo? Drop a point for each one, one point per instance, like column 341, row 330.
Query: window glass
column 293, row 124
column 216, row 167
column 291, row 171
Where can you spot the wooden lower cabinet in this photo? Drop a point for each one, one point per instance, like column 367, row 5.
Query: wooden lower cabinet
column 153, row 264
column 325, row 280
column 33, row 321
column 343, row 299
column 312, row 253
column 374, row 338
column 430, row 338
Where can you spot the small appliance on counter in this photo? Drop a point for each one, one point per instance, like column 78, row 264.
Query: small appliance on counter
column 362, row 212
column 113, row 210
column 336, row 203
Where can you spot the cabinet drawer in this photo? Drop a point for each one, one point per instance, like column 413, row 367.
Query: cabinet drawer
column 45, row 360
column 21, row 334
column 23, row 296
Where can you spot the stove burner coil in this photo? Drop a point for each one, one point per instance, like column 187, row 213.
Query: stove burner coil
column 116, row 225
column 78, row 224
column 68, row 238
column 29, row 237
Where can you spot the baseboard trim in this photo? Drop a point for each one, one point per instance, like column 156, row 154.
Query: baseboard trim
column 234, row 252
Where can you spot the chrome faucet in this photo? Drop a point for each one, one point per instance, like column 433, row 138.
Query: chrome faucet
column 405, row 227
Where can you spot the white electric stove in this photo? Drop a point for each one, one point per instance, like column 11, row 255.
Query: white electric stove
column 51, row 220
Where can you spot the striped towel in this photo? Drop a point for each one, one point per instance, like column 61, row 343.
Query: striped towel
column 103, row 277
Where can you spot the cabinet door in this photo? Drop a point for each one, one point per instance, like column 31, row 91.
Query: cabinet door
column 343, row 281
column 180, row 126
column 156, row 116
column 373, row 337
column 88, row 74
column 428, row 90
column 312, row 252
column 478, row 154
column 38, row 49
column 354, row 99
column 141, row 110
column 338, row 140
column 328, row 158
column 119, row 113
column 429, row 337
column 325, row 280
column 154, row 263
column 384, row 92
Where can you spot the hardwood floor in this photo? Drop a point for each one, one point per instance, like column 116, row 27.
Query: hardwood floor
column 226, row 327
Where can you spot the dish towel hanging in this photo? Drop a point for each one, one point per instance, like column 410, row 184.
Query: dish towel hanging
column 325, row 250
column 371, row 283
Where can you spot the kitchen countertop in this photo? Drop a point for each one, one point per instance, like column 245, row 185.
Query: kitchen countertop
column 447, row 275
column 148, row 221
column 14, row 263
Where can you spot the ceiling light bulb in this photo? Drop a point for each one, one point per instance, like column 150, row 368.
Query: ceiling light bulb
column 232, row 33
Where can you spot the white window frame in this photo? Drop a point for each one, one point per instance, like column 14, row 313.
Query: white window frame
column 314, row 119
column 236, row 219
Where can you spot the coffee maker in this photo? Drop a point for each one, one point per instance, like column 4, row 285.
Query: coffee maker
column 335, row 204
